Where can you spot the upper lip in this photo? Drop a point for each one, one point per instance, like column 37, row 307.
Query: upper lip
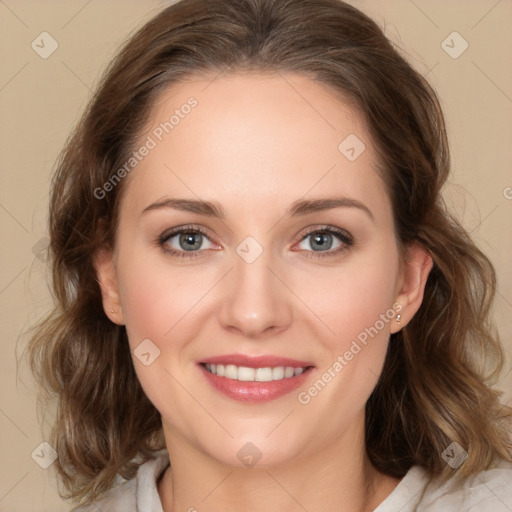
column 263, row 361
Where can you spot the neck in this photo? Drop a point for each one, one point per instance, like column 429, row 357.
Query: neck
column 340, row 478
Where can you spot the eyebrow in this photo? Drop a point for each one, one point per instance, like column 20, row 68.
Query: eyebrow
column 297, row 208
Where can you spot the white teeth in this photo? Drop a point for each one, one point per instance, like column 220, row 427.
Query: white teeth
column 278, row 373
column 263, row 374
column 245, row 374
column 231, row 372
column 288, row 372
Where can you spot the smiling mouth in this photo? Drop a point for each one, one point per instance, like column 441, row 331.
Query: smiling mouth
column 246, row 374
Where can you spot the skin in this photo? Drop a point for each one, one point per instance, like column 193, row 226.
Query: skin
column 255, row 144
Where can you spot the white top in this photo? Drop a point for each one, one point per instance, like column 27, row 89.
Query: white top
column 488, row 491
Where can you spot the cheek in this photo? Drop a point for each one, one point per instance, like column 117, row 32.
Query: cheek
column 364, row 300
column 145, row 309
column 155, row 299
column 358, row 306
column 158, row 304
column 354, row 297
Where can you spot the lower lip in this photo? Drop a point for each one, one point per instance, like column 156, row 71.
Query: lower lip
column 255, row 392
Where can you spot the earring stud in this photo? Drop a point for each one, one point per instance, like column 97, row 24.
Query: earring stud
column 398, row 317
column 112, row 310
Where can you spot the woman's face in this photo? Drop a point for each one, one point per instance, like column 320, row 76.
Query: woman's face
column 296, row 260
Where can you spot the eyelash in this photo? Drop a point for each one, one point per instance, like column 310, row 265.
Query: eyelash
column 344, row 237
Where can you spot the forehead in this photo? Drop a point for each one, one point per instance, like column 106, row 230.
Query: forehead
column 244, row 139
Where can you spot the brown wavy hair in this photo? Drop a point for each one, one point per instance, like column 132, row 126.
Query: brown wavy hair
column 436, row 384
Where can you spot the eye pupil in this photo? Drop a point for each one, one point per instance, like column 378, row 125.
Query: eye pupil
column 321, row 240
column 190, row 241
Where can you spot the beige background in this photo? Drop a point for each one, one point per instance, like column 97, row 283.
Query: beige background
column 40, row 100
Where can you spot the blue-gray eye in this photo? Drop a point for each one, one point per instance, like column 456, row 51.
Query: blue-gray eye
column 185, row 240
column 190, row 241
column 321, row 240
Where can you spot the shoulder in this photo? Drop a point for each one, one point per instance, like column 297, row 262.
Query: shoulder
column 139, row 493
column 487, row 491
column 121, row 497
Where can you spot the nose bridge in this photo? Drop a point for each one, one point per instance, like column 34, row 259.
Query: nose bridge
column 255, row 300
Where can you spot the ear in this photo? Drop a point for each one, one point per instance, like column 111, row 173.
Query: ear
column 107, row 279
column 417, row 267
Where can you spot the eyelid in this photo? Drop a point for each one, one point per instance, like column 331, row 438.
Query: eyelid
column 326, row 228
column 169, row 233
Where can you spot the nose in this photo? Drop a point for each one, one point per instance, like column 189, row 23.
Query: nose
column 255, row 300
